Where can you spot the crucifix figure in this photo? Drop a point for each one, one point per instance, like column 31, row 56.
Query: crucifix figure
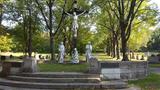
column 74, row 22
column 74, row 14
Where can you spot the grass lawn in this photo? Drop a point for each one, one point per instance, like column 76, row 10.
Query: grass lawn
column 152, row 82
column 63, row 67
column 154, row 65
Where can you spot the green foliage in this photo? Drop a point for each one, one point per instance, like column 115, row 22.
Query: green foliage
column 154, row 43
column 6, row 43
column 99, row 17
column 139, row 37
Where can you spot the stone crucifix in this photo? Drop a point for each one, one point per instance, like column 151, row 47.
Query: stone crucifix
column 75, row 21
column 74, row 14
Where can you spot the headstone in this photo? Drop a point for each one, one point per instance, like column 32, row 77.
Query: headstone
column 137, row 57
column 142, row 58
column 29, row 65
column 93, row 65
column 11, row 56
column 47, row 57
column 133, row 56
column 40, row 56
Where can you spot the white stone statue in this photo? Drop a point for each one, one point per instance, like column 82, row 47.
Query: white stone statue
column 37, row 56
column 74, row 22
column 75, row 58
column 61, row 53
column 88, row 51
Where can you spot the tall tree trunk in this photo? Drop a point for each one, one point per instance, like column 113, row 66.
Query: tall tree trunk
column 30, row 35
column 51, row 33
column 113, row 47
column 117, row 49
column 25, row 33
column 124, row 45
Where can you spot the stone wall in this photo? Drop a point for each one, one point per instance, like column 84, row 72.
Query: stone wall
column 124, row 70
column 0, row 66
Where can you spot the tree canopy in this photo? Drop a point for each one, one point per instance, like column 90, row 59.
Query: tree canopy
column 114, row 25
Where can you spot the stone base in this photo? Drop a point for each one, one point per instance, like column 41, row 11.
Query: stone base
column 29, row 65
column 124, row 70
column 93, row 65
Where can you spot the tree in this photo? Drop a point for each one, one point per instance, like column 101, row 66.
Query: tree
column 154, row 42
column 48, row 18
column 6, row 42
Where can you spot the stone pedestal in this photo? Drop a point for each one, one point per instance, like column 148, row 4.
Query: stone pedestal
column 127, row 70
column 29, row 65
column 6, row 67
column 93, row 65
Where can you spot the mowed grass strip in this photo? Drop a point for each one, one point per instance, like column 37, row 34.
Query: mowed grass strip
column 152, row 82
column 63, row 67
column 154, row 65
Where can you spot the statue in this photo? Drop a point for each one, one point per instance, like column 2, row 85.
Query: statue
column 75, row 59
column 37, row 56
column 74, row 22
column 61, row 53
column 88, row 51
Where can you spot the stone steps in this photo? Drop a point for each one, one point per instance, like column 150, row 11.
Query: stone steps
column 54, row 80
column 102, row 85
column 60, row 75
column 60, row 81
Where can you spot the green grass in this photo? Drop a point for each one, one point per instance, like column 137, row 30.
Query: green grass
column 154, row 65
column 152, row 82
column 63, row 67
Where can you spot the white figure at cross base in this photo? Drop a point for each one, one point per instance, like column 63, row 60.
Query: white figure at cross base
column 75, row 58
column 74, row 22
column 61, row 53
column 88, row 51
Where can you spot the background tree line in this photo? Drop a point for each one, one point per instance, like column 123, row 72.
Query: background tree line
column 114, row 25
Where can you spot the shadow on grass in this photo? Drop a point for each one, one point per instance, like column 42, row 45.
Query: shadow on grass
column 152, row 82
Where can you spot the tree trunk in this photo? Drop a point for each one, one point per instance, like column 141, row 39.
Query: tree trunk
column 25, row 33
column 114, row 46
column 124, row 45
column 51, row 33
column 117, row 49
column 30, row 35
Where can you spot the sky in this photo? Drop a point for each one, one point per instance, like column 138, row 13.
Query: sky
column 157, row 2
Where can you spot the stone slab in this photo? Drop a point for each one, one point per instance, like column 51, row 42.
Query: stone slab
column 111, row 73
